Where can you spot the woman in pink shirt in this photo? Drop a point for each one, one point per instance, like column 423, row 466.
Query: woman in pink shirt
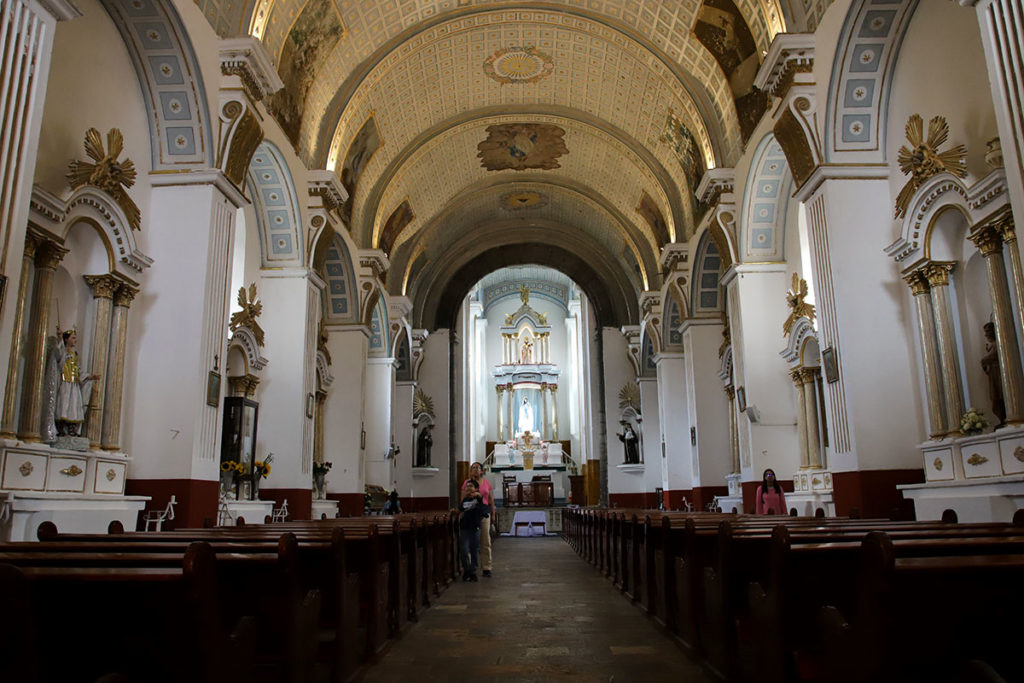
column 770, row 498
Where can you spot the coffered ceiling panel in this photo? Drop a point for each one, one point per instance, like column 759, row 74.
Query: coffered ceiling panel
column 439, row 171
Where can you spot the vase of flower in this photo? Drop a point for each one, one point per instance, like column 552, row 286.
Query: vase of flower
column 254, row 485
column 260, row 469
column 229, row 470
column 320, row 470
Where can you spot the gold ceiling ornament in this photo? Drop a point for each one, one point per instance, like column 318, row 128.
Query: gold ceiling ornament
column 518, row 65
column 107, row 174
column 924, row 160
column 422, row 404
column 629, row 396
column 798, row 307
column 251, row 309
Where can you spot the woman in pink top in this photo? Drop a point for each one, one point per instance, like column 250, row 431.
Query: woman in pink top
column 770, row 498
column 476, row 474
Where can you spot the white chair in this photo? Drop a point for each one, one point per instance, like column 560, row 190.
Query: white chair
column 281, row 513
column 158, row 517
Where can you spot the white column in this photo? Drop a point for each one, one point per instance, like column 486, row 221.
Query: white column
column 27, row 28
column 1002, row 35
column 181, row 335
column 343, row 412
column 291, row 310
column 707, row 404
column 801, row 415
column 405, row 437
column 544, row 423
column 380, row 375
column 675, row 468
column 757, row 309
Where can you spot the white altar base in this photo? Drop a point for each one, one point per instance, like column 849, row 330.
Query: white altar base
column 552, row 517
column 252, row 511
column 79, row 491
column 325, row 507
column 980, row 477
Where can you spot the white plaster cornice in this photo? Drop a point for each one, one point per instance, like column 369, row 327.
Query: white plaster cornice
column 246, row 58
column 700, row 322
column 825, row 172
column 674, row 256
column 209, row 176
column 716, row 181
column 326, row 185
column 399, row 307
column 788, row 53
column 374, row 262
column 62, row 10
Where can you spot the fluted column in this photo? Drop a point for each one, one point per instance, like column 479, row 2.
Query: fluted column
column 553, row 388
column 48, row 256
column 1008, row 231
column 510, row 406
column 318, row 426
column 500, row 391
column 544, row 410
column 809, row 376
column 801, row 415
column 734, row 444
column 8, row 428
column 103, row 288
column 939, row 425
column 111, row 435
column 990, row 244
column 937, row 274
column 1002, row 36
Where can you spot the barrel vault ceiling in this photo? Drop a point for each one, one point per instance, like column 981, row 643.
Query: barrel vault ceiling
column 476, row 129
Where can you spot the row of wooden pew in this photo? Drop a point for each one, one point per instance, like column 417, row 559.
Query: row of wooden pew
column 294, row 601
column 777, row 599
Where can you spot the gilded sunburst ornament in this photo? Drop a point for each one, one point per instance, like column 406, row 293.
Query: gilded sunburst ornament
column 107, row 174
column 422, row 404
column 629, row 396
column 518, row 65
column 798, row 308
column 251, row 309
column 923, row 159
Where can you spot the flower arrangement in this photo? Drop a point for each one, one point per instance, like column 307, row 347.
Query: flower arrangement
column 262, row 467
column 972, row 422
column 232, row 466
column 321, row 468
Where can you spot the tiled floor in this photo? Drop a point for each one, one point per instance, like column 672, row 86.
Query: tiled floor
column 546, row 615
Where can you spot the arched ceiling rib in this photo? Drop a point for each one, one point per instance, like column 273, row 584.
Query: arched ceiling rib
column 445, row 167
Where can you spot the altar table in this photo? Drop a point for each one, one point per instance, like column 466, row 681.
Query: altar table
column 527, row 522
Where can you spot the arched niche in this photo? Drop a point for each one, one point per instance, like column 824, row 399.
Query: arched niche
column 706, row 293
column 244, row 364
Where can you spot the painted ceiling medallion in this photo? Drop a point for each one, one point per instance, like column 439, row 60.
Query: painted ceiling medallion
column 518, row 65
column 521, row 146
column 513, row 201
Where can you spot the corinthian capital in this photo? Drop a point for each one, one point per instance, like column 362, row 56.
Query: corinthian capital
column 937, row 272
column 987, row 239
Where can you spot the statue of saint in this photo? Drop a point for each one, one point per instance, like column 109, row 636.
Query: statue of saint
column 526, row 352
column 64, row 372
column 525, row 416
column 423, row 443
column 631, row 445
column 990, row 364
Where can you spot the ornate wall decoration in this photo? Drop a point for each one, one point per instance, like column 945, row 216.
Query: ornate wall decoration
column 516, row 201
column 422, row 404
column 379, row 334
column 721, row 28
column 340, row 293
column 765, row 202
column 684, row 146
column 310, row 41
column 629, row 397
column 277, row 206
column 399, row 218
column 107, row 174
column 518, row 65
column 924, row 160
column 706, row 292
column 251, row 310
column 522, row 146
column 247, row 134
column 798, row 308
column 652, row 214
column 169, row 72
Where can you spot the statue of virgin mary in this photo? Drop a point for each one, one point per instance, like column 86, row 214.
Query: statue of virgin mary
column 525, row 416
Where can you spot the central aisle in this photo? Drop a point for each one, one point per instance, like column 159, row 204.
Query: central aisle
column 545, row 615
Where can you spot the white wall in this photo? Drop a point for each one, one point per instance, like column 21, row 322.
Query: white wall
column 433, row 379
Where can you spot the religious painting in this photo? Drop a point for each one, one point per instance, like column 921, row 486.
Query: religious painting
column 522, row 146
column 363, row 146
column 213, row 389
column 722, row 30
column 686, row 150
column 310, row 42
column 652, row 214
column 399, row 218
column 828, row 360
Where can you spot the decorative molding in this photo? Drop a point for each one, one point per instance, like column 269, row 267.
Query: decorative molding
column 246, row 58
column 326, row 185
column 277, row 207
column 922, row 159
column 373, row 262
column 244, row 338
column 765, row 200
column 205, row 176
column 789, row 54
column 674, row 256
column 716, row 181
column 323, row 368
column 802, row 332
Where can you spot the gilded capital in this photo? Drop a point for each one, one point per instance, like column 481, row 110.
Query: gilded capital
column 1006, row 227
column 938, row 272
column 730, row 391
column 49, row 255
column 553, row 388
column 31, row 244
column 988, row 240
column 500, row 389
column 809, row 375
column 796, row 376
column 918, row 282
column 103, row 286
column 124, row 295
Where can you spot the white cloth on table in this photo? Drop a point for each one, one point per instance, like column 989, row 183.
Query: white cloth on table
column 529, row 518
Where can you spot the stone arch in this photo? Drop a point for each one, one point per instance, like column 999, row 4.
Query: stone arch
column 341, row 295
column 768, row 188
column 936, row 196
column 380, row 333
column 277, row 207
column 674, row 312
column 169, row 73
column 706, row 293
column 650, row 347
column 862, row 71
column 93, row 206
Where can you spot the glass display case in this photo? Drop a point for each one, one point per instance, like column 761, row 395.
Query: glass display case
column 238, row 442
